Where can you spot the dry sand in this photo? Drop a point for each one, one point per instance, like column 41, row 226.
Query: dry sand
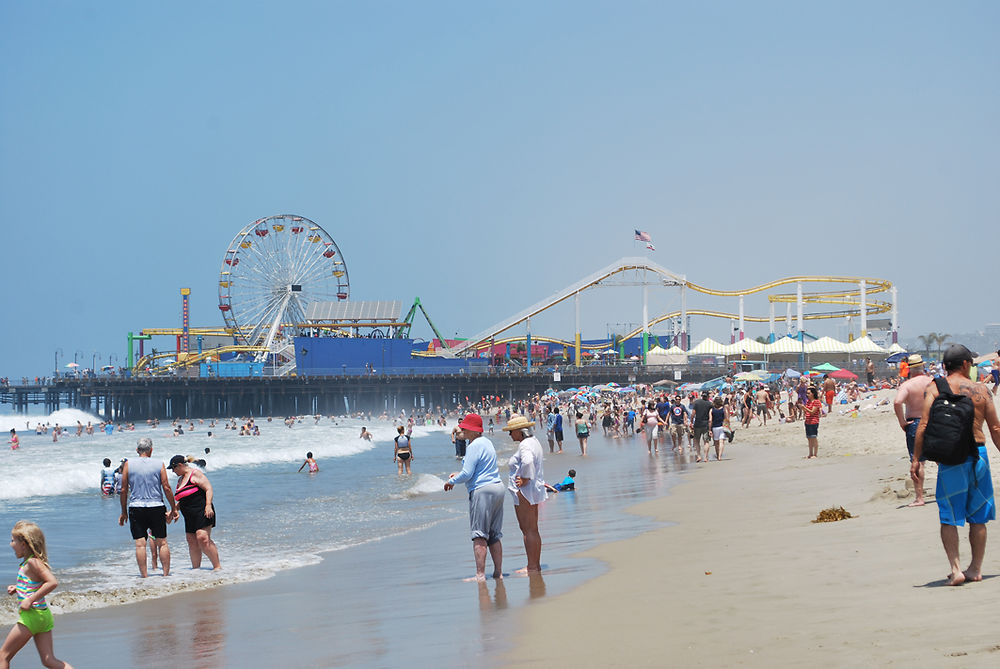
column 745, row 579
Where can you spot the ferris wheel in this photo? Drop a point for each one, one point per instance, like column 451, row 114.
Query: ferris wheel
column 274, row 268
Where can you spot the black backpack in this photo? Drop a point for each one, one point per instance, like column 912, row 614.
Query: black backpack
column 948, row 436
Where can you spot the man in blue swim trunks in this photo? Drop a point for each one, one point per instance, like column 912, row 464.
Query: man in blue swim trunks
column 965, row 491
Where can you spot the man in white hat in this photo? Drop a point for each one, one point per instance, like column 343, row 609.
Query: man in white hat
column 527, row 487
column 482, row 479
column 909, row 405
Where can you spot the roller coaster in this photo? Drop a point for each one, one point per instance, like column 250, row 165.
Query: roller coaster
column 647, row 273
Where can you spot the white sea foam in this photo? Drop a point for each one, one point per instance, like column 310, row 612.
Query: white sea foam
column 424, row 485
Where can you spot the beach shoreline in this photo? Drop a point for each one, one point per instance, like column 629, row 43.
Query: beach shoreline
column 744, row 578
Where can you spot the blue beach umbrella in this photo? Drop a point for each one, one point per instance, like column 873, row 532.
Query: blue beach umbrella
column 792, row 374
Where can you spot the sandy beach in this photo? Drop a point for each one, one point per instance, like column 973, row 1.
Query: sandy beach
column 744, row 578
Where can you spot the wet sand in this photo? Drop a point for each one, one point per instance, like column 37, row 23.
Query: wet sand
column 745, row 579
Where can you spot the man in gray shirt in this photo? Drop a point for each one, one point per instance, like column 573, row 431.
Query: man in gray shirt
column 144, row 482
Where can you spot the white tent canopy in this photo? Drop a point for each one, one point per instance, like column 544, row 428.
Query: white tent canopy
column 746, row 346
column 895, row 348
column 826, row 345
column 784, row 345
column 671, row 356
column 864, row 345
column 708, row 346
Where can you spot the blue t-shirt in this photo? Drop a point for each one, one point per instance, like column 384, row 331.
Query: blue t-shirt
column 558, row 423
column 663, row 408
column 479, row 467
column 677, row 414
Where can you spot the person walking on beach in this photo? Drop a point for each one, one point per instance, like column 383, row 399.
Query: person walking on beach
column 701, row 410
column 144, row 483
column 550, row 428
column 526, row 485
column 719, row 417
column 582, row 432
column 965, row 491
column 34, row 581
column 909, row 406
column 678, row 423
column 650, row 427
column 486, row 494
column 869, row 372
column 557, row 429
column 403, row 451
column 195, row 499
column 813, row 409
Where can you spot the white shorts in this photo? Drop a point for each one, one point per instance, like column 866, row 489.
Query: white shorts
column 718, row 433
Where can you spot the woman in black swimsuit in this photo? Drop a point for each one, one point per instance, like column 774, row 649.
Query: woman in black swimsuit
column 403, row 452
column 194, row 499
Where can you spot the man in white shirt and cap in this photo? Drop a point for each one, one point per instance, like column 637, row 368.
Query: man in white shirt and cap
column 527, row 487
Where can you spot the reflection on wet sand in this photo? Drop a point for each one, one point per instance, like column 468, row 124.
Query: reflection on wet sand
column 192, row 633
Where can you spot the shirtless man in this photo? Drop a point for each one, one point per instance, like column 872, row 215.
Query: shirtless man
column 761, row 399
column 829, row 392
column 909, row 406
column 869, row 372
column 964, row 491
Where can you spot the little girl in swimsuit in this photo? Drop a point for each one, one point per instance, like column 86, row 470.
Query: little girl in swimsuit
column 34, row 581
column 313, row 467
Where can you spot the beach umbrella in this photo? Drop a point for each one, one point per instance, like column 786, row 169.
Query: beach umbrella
column 844, row 374
column 612, row 385
column 897, row 357
column 72, row 365
column 825, row 367
column 792, row 374
column 746, row 376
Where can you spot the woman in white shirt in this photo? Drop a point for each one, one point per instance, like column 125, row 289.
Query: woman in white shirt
column 527, row 487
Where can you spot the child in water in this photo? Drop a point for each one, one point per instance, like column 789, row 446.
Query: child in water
column 14, row 441
column 34, row 581
column 313, row 467
column 568, row 483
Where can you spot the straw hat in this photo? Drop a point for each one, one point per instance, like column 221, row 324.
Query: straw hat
column 914, row 359
column 517, row 422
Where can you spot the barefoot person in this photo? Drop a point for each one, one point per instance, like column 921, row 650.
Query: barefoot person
column 486, row 493
column 909, row 405
column 829, row 391
column 964, row 492
column 194, row 496
column 144, row 484
column 813, row 409
column 527, row 486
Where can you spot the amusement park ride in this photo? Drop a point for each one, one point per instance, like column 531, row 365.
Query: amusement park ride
column 278, row 272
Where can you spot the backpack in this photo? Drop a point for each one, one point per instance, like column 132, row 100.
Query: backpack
column 948, row 436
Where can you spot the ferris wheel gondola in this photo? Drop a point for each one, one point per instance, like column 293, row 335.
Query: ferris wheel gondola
column 273, row 269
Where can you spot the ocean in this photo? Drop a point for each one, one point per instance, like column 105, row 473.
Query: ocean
column 382, row 542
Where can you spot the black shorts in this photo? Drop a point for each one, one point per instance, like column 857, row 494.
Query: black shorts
column 812, row 431
column 194, row 519
column 559, row 435
column 147, row 519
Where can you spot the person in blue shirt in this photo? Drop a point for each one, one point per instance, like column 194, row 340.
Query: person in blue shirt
column 568, row 483
column 486, row 495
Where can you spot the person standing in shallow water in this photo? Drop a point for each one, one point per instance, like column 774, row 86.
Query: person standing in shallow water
column 526, row 486
column 403, row 451
column 486, row 495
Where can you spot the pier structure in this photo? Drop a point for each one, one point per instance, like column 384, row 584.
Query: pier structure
column 134, row 399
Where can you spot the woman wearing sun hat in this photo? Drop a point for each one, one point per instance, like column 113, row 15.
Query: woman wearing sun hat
column 527, row 487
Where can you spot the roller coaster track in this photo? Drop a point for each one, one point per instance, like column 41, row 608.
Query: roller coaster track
column 846, row 297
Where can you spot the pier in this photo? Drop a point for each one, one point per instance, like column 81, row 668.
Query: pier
column 134, row 399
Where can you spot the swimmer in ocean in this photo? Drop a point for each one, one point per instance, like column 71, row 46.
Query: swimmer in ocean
column 365, row 434
column 313, row 467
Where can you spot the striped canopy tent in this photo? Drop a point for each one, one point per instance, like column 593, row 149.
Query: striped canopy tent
column 895, row 348
column 783, row 345
column 826, row 345
column 708, row 346
column 865, row 346
column 746, row 346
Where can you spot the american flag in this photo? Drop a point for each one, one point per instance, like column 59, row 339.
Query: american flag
column 649, row 245
column 643, row 236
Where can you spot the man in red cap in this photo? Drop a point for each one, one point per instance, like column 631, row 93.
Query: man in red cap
column 486, row 495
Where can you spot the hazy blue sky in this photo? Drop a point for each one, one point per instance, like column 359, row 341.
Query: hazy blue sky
column 482, row 155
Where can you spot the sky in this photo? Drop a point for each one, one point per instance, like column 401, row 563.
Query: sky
column 484, row 155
